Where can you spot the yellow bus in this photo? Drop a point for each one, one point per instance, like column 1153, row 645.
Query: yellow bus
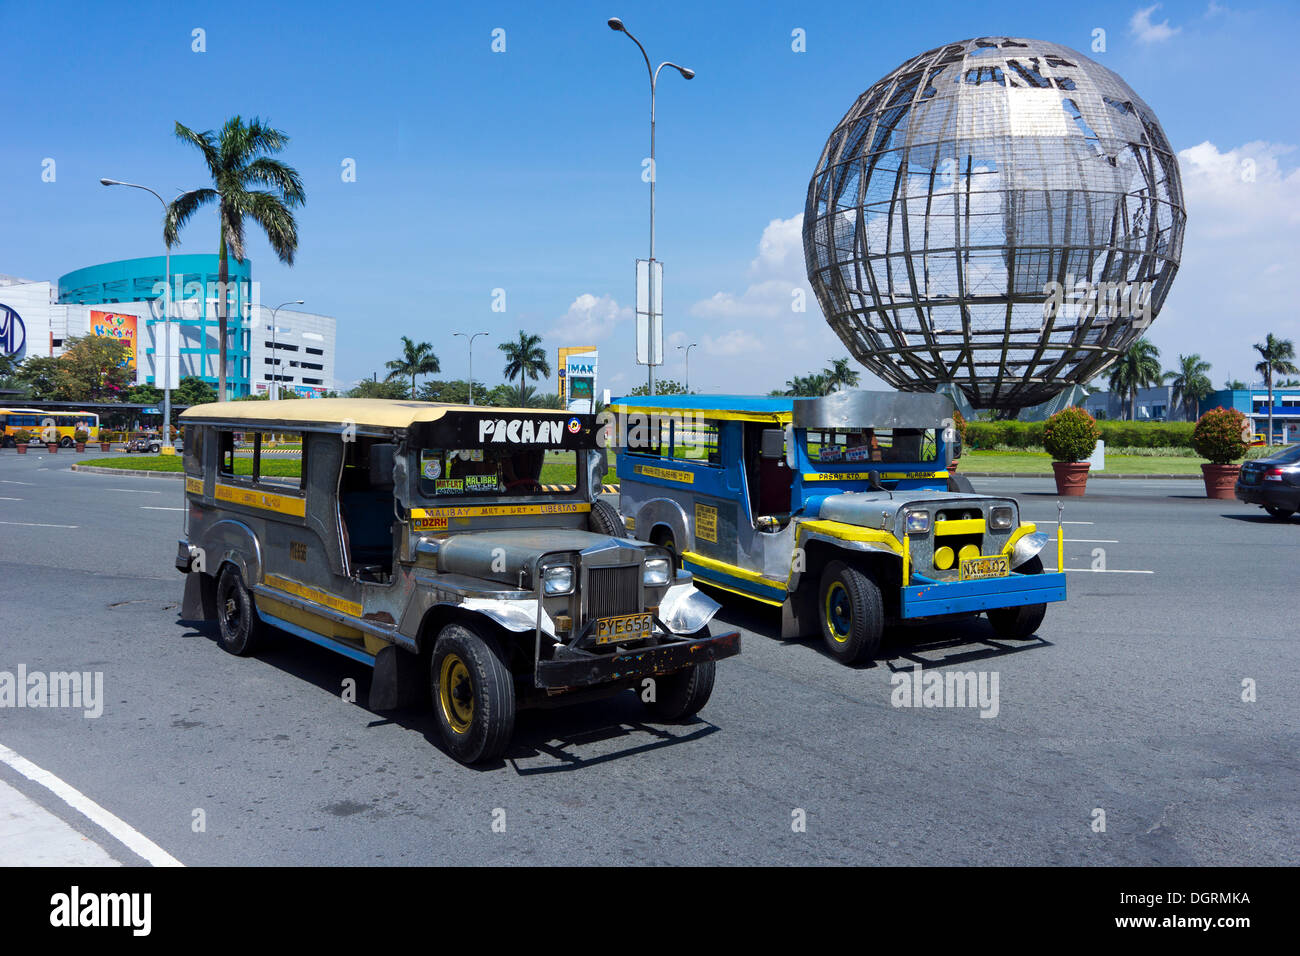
column 44, row 424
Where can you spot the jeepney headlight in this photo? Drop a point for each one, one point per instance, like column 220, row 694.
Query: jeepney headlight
column 1000, row 519
column 917, row 522
column 557, row 580
column 656, row 573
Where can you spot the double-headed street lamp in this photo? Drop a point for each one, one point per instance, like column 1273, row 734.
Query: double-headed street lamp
column 471, row 339
column 688, row 348
column 167, row 331
column 616, row 25
column 275, row 357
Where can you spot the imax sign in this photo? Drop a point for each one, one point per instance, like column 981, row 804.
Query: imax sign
column 13, row 334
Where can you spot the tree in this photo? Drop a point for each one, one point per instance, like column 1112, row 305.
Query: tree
column 192, row 390
column 525, row 358
column 1137, row 368
column 1277, row 355
column 237, row 165
column 39, row 376
column 367, row 388
column 665, row 386
column 1191, row 382
column 808, row 386
column 1235, row 385
column 415, row 360
column 92, row 368
column 143, row 395
column 455, row 392
column 841, row 375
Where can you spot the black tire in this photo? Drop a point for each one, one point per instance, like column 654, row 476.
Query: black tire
column 604, row 519
column 682, row 694
column 960, row 483
column 1019, row 623
column 1281, row 514
column 477, row 713
column 851, row 612
column 65, row 442
column 239, row 630
column 665, row 539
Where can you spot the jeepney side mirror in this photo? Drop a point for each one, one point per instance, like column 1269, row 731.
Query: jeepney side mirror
column 401, row 482
column 789, row 446
column 770, row 444
column 597, row 465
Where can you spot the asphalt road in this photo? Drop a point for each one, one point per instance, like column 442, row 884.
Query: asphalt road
column 1129, row 701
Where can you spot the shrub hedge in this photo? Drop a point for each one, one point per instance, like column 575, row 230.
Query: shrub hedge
column 988, row 435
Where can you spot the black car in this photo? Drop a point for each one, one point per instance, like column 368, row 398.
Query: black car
column 1273, row 482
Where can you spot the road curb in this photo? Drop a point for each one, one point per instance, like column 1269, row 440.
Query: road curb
column 128, row 472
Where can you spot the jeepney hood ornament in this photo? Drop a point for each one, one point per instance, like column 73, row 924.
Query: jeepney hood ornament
column 499, row 555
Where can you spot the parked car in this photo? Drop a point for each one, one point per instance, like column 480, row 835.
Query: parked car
column 144, row 444
column 1273, row 482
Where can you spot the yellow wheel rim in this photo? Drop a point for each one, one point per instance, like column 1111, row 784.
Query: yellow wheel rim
column 456, row 693
column 839, row 614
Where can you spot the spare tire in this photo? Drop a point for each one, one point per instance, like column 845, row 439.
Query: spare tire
column 604, row 519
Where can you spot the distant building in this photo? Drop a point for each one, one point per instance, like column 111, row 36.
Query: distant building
column 1155, row 404
column 125, row 300
column 1253, row 403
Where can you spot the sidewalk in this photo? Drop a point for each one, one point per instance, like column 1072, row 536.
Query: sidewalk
column 32, row 836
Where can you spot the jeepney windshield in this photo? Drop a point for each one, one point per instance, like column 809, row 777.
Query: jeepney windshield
column 496, row 472
column 853, row 445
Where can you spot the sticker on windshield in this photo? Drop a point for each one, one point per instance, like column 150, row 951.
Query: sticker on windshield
column 431, row 467
column 480, row 483
column 449, row 486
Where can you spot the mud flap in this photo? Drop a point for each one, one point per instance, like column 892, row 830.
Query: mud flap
column 199, row 602
column 398, row 681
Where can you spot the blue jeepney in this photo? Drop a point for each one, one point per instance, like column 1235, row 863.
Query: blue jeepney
column 840, row 510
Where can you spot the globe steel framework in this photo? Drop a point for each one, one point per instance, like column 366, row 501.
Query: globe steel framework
column 963, row 189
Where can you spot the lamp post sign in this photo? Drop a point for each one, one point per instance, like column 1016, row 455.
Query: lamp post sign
column 649, row 313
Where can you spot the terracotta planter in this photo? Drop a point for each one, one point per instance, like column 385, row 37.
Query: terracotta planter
column 81, row 446
column 22, row 449
column 953, row 465
column 52, row 447
column 1071, row 477
column 105, row 446
column 1220, row 480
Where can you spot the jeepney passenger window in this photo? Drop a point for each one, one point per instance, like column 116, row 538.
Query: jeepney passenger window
column 696, row 441
column 227, row 446
column 279, row 459
column 193, row 453
column 649, row 434
column 455, row 472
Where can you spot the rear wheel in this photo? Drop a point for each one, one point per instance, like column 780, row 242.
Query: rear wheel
column 473, row 694
column 604, row 519
column 664, row 538
column 240, row 630
column 1019, row 623
column 1281, row 514
column 852, row 613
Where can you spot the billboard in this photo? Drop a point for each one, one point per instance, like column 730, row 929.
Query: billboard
column 116, row 325
column 13, row 334
column 580, row 381
column 562, row 366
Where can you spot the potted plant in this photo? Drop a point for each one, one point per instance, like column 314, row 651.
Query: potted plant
column 1069, row 437
column 21, row 439
column 80, row 437
column 104, row 444
column 1219, row 436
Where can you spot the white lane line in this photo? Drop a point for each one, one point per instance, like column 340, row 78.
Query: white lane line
column 159, row 508
column 7, row 482
column 1063, row 522
column 1092, row 540
column 11, row 499
column 134, row 491
column 131, row 838
column 33, row 524
column 1110, row 571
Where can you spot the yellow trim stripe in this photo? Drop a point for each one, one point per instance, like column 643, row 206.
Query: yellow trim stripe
column 250, row 498
column 309, row 593
column 1027, row 528
column 964, row 526
column 665, row 474
column 745, row 594
column 866, row 475
column 714, row 564
column 194, row 486
column 852, row 532
column 707, row 414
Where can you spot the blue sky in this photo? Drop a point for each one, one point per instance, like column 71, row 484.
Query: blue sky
column 521, row 170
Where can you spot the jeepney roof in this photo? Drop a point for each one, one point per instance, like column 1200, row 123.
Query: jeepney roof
column 754, row 408
column 363, row 412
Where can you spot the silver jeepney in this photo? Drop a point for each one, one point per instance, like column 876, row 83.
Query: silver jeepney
column 427, row 541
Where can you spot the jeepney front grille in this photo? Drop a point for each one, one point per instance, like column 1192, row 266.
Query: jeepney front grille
column 613, row 591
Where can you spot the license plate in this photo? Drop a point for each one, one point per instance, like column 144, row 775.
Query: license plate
column 995, row 566
column 623, row 627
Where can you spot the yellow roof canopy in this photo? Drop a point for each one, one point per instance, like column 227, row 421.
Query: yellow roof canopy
column 363, row 412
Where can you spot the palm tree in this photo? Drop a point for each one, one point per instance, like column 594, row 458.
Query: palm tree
column 1235, row 385
column 841, row 375
column 1191, row 383
column 809, row 386
column 1137, row 368
column 235, row 160
column 526, row 359
column 1277, row 355
column 415, row 360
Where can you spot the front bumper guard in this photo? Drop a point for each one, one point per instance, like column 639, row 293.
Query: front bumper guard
column 934, row 598
column 572, row 667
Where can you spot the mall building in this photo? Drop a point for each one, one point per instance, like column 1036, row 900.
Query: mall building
column 125, row 300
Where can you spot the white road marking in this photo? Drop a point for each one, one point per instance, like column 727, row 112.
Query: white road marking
column 7, row 482
column 1063, row 522
column 131, row 838
column 1092, row 540
column 159, row 508
column 33, row 524
column 11, row 499
column 134, row 491
column 1110, row 571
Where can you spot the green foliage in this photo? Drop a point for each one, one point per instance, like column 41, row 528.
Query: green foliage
column 415, row 360
column 455, row 392
column 1139, row 367
column 1070, row 435
column 663, row 386
column 367, row 388
column 1116, row 434
column 1191, row 381
column 22, row 437
column 143, row 395
column 81, row 435
column 1218, row 436
column 525, row 358
column 192, row 390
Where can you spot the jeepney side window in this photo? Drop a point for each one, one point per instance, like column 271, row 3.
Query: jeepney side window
column 452, row 472
column 845, row 446
column 279, row 459
column 696, row 440
column 226, row 459
column 193, row 452
column 649, row 434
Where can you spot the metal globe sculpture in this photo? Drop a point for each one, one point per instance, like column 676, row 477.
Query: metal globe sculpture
column 999, row 215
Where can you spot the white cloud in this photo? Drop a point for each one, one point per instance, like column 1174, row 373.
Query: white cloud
column 589, row 320
column 1147, row 32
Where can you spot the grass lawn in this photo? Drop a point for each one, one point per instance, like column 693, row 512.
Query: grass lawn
column 272, row 467
column 1040, row 463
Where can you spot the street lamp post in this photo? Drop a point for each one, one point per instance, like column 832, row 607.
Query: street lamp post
column 471, row 339
column 616, row 25
column 688, row 362
column 167, row 330
column 275, row 358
